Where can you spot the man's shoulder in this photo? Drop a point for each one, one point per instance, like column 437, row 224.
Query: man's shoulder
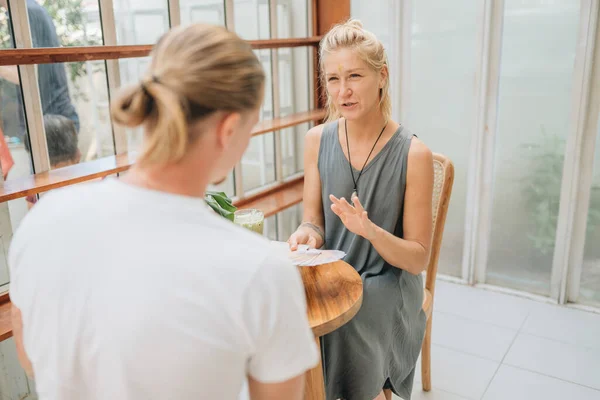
column 36, row 10
column 43, row 32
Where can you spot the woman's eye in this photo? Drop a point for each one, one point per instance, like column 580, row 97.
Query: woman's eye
column 354, row 76
column 333, row 78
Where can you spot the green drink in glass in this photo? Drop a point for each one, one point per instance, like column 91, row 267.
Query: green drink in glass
column 250, row 218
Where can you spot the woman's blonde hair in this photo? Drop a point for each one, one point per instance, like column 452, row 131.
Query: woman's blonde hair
column 352, row 35
column 195, row 71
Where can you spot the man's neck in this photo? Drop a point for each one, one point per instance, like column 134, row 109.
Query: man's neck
column 174, row 178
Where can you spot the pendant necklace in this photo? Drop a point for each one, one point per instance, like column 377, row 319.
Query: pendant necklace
column 355, row 193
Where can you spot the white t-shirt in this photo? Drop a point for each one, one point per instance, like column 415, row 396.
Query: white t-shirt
column 129, row 293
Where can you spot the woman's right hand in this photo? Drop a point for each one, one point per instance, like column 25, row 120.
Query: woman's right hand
column 304, row 235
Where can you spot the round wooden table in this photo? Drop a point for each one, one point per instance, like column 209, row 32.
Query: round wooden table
column 334, row 295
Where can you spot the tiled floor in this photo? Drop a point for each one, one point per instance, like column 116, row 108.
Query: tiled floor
column 491, row 346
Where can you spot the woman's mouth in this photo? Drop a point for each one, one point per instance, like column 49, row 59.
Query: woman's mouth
column 348, row 105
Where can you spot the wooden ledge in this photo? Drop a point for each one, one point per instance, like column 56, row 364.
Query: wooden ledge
column 42, row 182
column 277, row 124
column 92, row 53
column 5, row 324
column 275, row 200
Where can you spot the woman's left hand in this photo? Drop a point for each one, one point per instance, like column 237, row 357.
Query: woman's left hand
column 354, row 217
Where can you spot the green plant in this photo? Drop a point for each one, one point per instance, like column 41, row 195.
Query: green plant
column 222, row 204
column 541, row 191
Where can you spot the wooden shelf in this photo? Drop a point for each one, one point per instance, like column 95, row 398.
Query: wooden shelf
column 275, row 200
column 42, row 182
column 5, row 324
column 285, row 122
column 90, row 53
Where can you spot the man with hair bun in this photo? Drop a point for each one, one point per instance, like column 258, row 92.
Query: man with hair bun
column 133, row 288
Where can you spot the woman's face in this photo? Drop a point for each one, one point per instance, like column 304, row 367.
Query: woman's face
column 352, row 85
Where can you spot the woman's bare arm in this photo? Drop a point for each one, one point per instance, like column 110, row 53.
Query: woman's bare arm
column 311, row 231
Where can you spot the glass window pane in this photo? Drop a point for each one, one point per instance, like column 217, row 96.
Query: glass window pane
column 258, row 163
column 295, row 87
column 15, row 159
column 209, row 11
column 74, row 95
column 15, row 162
column 294, row 94
column 251, row 19
column 589, row 289
column 443, row 47
column 289, row 221
column 140, row 21
column 270, row 229
column 538, row 54
column 292, row 18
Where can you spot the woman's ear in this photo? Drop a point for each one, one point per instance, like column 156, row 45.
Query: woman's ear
column 384, row 75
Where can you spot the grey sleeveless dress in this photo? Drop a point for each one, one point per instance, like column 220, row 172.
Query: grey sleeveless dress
column 379, row 347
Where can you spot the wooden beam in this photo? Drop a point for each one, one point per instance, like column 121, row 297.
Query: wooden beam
column 91, row 53
column 330, row 12
column 326, row 13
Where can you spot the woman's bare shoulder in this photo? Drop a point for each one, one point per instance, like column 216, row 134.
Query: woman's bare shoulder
column 312, row 139
column 419, row 150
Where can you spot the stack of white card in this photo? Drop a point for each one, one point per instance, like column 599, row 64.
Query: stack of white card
column 309, row 257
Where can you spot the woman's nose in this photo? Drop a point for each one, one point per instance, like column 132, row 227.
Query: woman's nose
column 345, row 90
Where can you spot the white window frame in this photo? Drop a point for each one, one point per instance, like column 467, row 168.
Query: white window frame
column 579, row 152
column 579, row 159
column 30, row 89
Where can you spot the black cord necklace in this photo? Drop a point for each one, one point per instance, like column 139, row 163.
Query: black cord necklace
column 355, row 193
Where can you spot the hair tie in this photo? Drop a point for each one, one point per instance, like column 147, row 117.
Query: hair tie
column 154, row 79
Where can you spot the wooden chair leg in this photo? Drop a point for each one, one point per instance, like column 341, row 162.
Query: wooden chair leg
column 426, row 358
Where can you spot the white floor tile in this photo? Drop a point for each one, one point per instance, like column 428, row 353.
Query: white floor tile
column 434, row 394
column 454, row 372
column 564, row 324
column 481, row 305
column 471, row 337
column 517, row 384
column 567, row 362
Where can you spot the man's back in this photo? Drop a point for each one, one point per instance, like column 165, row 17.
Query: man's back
column 171, row 302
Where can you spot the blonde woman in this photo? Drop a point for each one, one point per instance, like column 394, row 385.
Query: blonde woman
column 367, row 191
column 129, row 289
